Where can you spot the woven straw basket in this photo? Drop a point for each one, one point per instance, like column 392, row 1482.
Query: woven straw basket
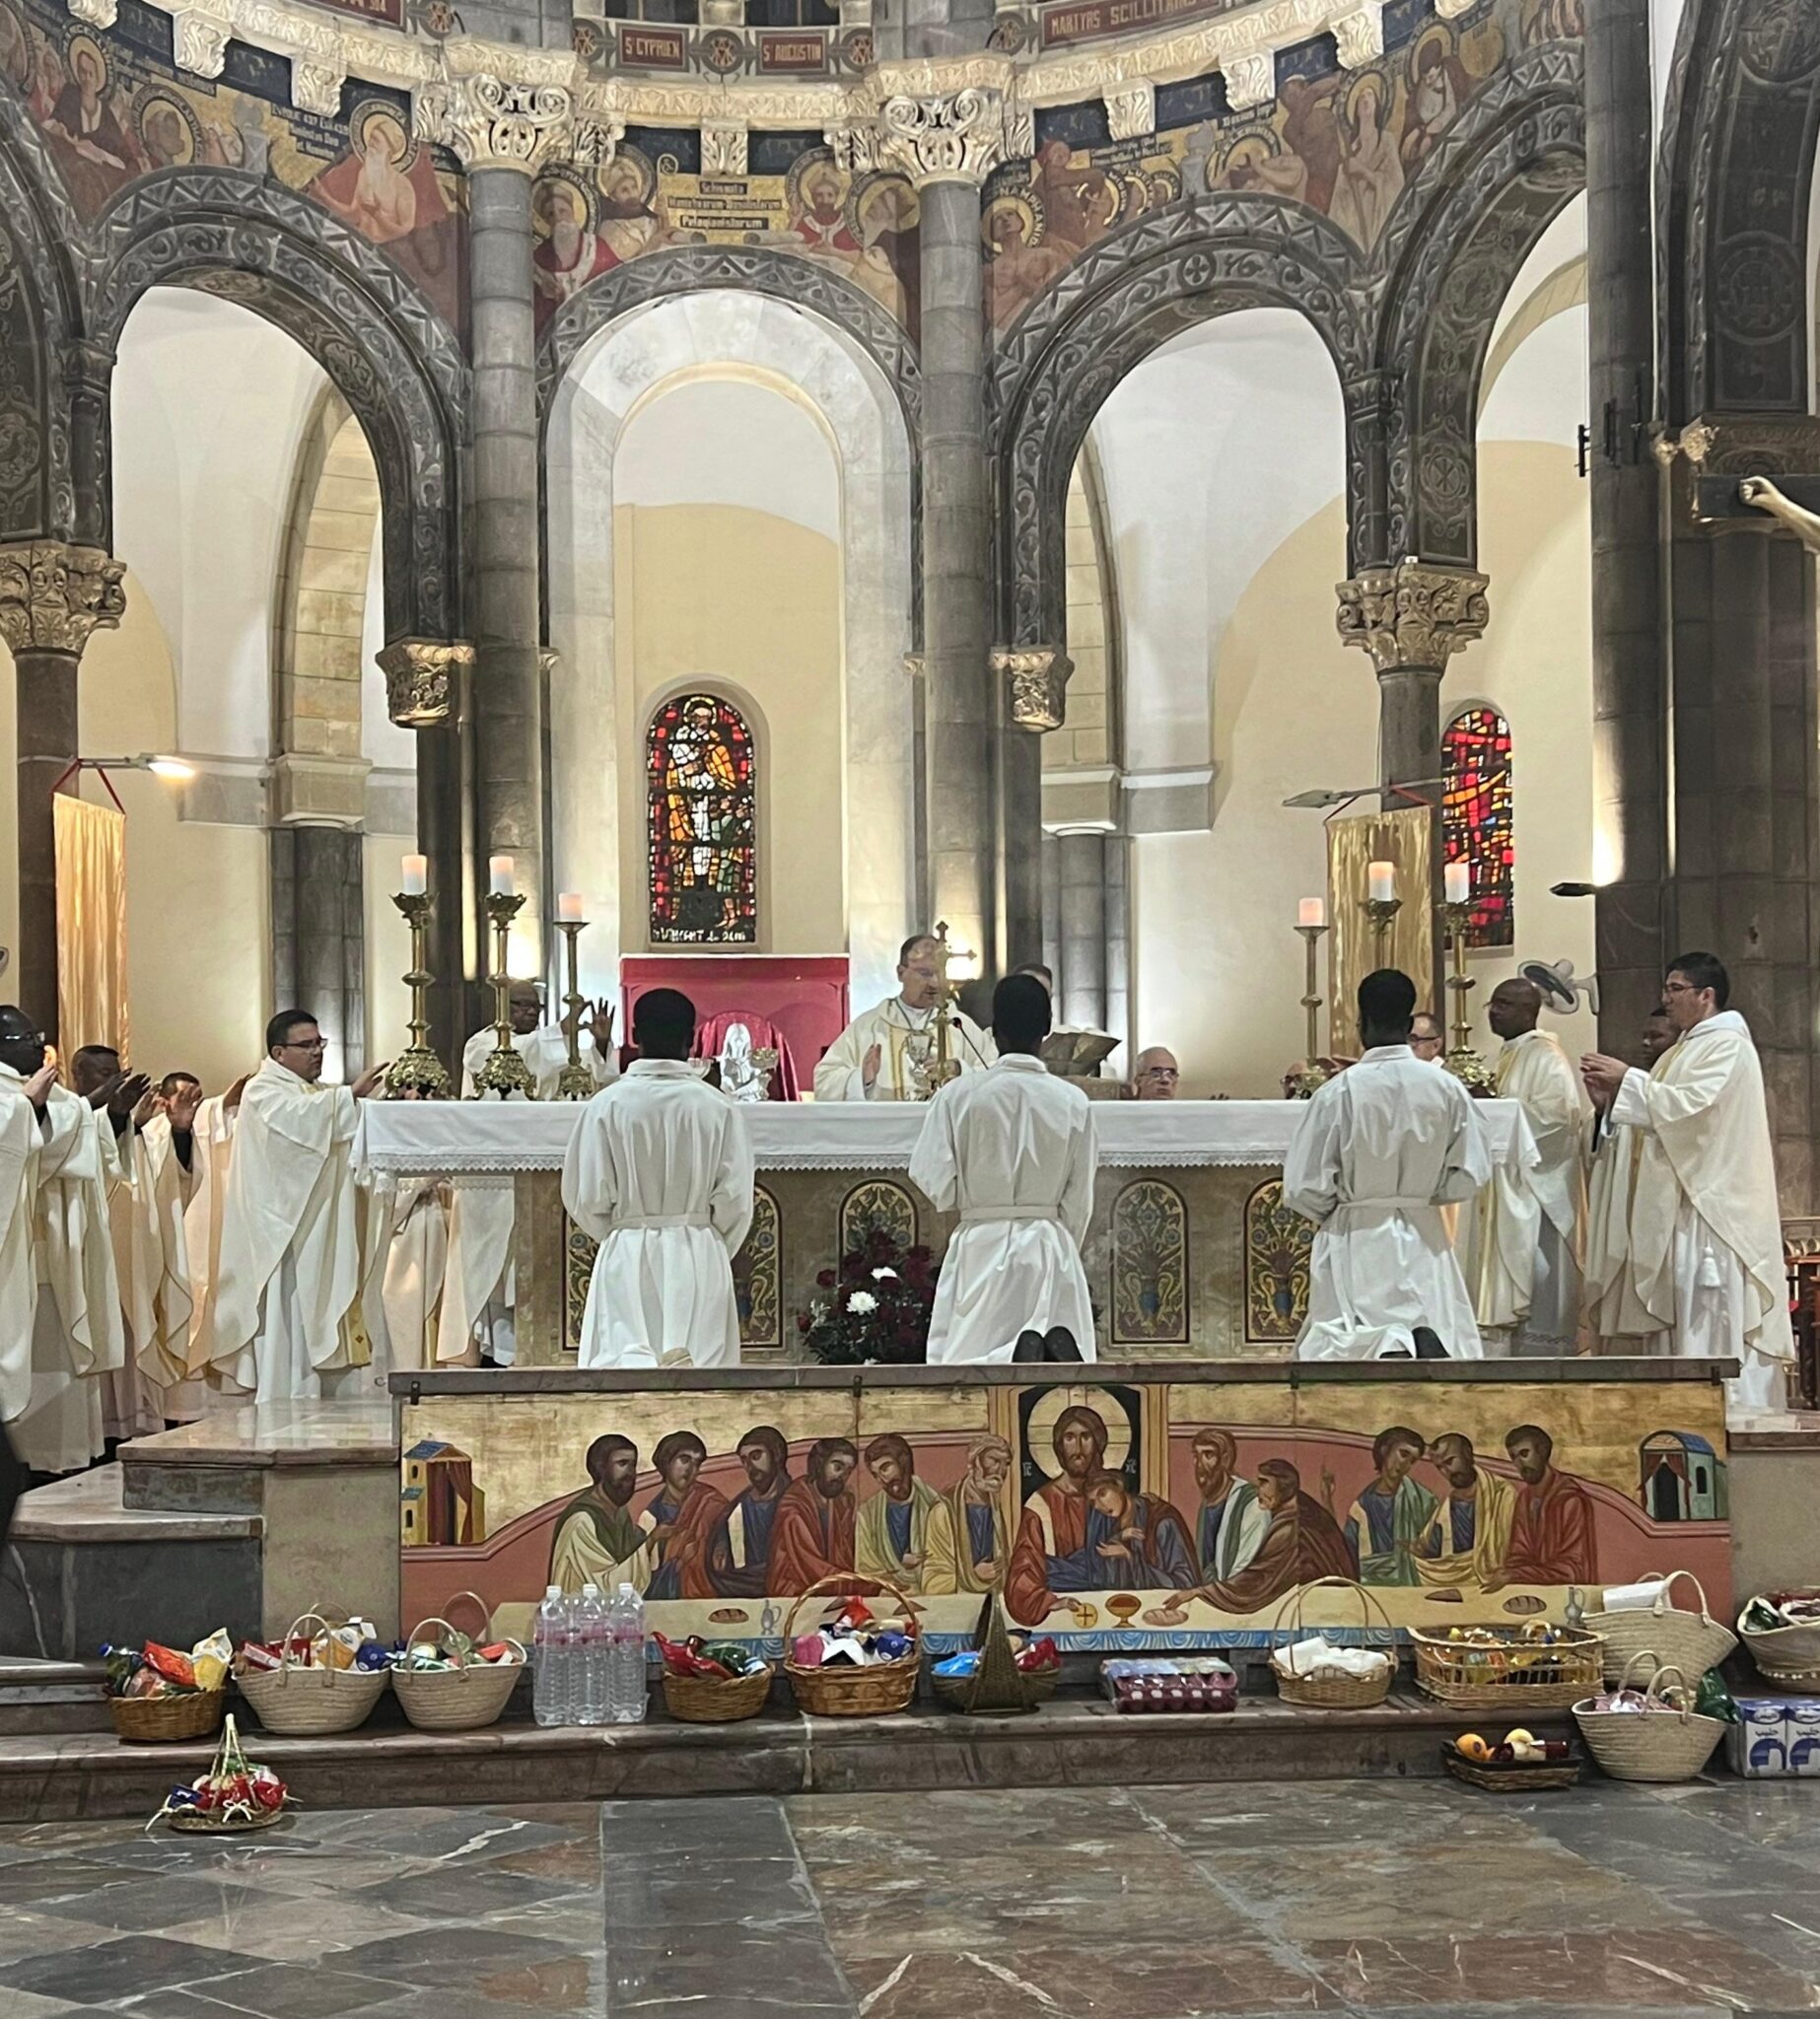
column 167, row 1720
column 1786, row 1654
column 1631, row 1745
column 1333, row 1693
column 1513, row 1676
column 299, row 1700
column 1690, row 1641
column 848, row 1691
column 466, row 1698
column 717, row 1700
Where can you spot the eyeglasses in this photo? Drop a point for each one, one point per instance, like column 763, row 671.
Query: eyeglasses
column 308, row 1044
column 1679, row 989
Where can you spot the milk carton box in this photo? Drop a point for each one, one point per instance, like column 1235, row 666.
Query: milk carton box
column 1801, row 1730
column 1758, row 1746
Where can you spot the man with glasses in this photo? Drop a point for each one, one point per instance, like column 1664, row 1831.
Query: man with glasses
column 281, row 1320
column 1705, row 1226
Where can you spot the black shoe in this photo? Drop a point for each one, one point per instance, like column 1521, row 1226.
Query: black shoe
column 1029, row 1347
column 1427, row 1345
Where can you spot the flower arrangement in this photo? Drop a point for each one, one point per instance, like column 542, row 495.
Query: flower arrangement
column 876, row 1308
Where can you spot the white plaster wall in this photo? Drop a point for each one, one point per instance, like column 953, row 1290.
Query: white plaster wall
column 726, row 441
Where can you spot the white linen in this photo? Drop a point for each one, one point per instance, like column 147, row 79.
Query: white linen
column 1615, row 1313
column 18, row 1149
column 1705, row 1223
column 1377, row 1152
column 660, row 1172
column 1012, row 1151
column 405, row 1255
column 211, row 1154
column 479, row 1286
column 841, row 1073
column 544, row 1050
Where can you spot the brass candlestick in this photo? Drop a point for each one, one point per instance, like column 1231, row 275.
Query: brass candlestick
column 1465, row 1064
column 943, row 1065
column 1383, row 913
column 503, row 1072
column 1314, row 1073
column 576, row 1082
column 417, row 1069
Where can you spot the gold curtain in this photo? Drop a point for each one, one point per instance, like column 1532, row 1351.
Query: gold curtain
column 90, row 925
column 1403, row 837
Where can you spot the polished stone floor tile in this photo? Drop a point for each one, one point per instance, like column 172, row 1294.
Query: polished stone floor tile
column 139, row 1907
column 112, row 1970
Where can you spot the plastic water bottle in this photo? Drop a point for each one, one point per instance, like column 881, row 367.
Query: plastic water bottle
column 628, row 1692
column 592, row 1658
column 549, row 1680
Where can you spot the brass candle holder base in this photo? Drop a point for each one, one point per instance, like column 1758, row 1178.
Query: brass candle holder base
column 576, row 1081
column 1382, row 914
column 1313, row 1076
column 503, row 1072
column 417, row 1069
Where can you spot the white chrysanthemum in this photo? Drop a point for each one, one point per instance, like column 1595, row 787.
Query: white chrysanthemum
column 861, row 1301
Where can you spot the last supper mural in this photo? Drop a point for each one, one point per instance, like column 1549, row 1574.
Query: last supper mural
column 1111, row 1513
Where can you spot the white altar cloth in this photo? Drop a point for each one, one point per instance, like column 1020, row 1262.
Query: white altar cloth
column 423, row 1138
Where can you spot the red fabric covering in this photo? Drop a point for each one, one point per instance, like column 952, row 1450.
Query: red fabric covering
column 711, row 1041
column 803, row 998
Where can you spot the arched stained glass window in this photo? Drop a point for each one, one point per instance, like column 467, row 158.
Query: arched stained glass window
column 702, row 825
column 1476, row 823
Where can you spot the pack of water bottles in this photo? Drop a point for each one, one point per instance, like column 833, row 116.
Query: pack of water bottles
column 590, row 1657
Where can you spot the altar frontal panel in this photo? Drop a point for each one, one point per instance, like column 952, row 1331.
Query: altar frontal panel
column 1114, row 1513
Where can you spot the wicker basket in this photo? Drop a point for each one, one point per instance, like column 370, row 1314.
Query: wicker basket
column 466, row 1698
column 167, row 1720
column 1333, row 1693
column 717, row 1700
column 997, row 1687
column 1513, row 1676
column 1786, row 1654
column 299, row 1700
column 846, row 1691
column 1692, row 1641
column 1631, row 1745
column 1524, row 1777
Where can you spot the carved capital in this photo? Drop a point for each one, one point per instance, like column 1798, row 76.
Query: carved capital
column 316, row 87
column 199, row 40
column 855, row 148
column 491, row 123
column 423, row 680
column 1250, row 80
column 956, row 137
column 914, row 665
column 1359, row 35
column 598, row 131
column 1131, row 110
column 1037, row 677
column 723, row 148
column 53, row 595
column 100, row 14
column 1451, row 10
column 1419, row 613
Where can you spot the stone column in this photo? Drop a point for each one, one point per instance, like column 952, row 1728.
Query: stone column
column 1032, row 686
column 52, row 596
column 1630, row 773
column 1082, row 980
column 318, row 935
column 947, row 146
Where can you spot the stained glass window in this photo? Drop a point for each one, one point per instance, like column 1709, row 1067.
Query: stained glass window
column 702, row 825
column 1476, row 825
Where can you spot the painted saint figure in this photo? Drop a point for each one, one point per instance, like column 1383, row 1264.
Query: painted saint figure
column 766, row 1458
column 1234, row 1522
column 812, row 1534
column 689, row 1522
column 709, row 821
column 1303, row 1543
column 1058, row 1524
column 976, row 1508
column 1147, row 1547
column 904, row 1532
column 1468, row 1536
column 1552, row 1536
column 1389, row 1518
column 599, row 1539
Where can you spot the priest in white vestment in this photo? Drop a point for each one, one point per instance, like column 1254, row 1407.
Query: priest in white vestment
column 660, row 1172
column 544, row 1047
column 1011, row 1151
column 283, row 1321
column 873, row 1058
column 129, row 1406
column 1616, row 1315
column 211, row 1155
column 1706, row 1221
column 1377, row 1152
column 1523, row 1253
column 23, row 1099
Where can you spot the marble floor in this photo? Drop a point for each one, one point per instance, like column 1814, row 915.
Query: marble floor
column 1351, row 1898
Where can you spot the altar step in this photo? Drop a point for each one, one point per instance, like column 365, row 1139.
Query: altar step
column 1074, row 1741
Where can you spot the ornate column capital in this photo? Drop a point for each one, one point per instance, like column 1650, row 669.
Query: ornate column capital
column 53, row 595
column 492, row 123
column 1360, row 34
column 1037, row 677
column 957, row 136
column 723, row 148
column 1251, row 79
column 1415, row 615
column 423, row 680
column 1131, row 109
column 200, row 37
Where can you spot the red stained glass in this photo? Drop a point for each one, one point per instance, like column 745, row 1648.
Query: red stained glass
column 1476, row 820
column 702, row 825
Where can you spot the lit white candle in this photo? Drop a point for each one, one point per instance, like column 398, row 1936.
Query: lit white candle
column 569, row 907
column 416, row 876
column 499, row 876
column 1380, row 881
column 1311, row 911
column 1456, row 877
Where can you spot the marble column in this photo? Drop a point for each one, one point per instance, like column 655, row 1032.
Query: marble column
column 1081, row 981
column 1630, row 835
column 318, row 935
column 52, row 597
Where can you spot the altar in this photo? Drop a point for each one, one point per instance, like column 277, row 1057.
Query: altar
column 1192, row 1253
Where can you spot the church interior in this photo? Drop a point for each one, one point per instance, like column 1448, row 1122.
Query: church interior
column 740, row 727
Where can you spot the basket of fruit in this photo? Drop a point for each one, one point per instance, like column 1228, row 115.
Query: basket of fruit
column 1320, row 1675
column 309, row 1683
column 1492, row 1668
column 232, row 1798
column 1519, row 1764
column 713, row 1683
column 159, row 1696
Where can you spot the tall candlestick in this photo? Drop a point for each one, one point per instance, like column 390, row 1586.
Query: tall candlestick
column 1381, row 882
column 415, row 876
column 1463, row 1061
column 416, row 1070
column 1314, row 1073
column 504, row 1072
column 499, row 876
column 1311, row 911
column 576, row 1081
column 1456, row 881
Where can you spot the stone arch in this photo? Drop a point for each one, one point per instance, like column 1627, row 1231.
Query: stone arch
column 1741, row 123
column 1455, row 244
column 1201, row 258
column 392, row 358
column 664, row 341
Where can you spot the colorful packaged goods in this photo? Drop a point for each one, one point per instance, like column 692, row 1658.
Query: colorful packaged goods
column 233, row 1794
column 855, row 1638
column 721, row 1660
column 354, row 1645
column 156, row 1670
column 1199, row 1683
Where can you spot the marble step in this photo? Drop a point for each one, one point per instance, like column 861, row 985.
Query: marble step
column 50, row 1696
column 1073, row 1741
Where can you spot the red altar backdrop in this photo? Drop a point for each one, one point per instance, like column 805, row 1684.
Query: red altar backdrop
column 804, row 995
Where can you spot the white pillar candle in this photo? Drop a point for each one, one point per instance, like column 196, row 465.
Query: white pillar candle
column 499, row 876
column 1311, row 911
column 1457, row 879
column 1382, row 882
column 569, row 907
column 416, row 876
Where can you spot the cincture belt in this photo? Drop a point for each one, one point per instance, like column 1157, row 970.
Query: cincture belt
column 991, row 1215
column 654, row 1222
column 1391, row 1205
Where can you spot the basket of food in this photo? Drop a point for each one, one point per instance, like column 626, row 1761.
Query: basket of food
column 1653, row 1735
column 1693, row 1641
column 1494, row 1668
column 1004, row 1675
column 446, row 1681
column 1518, row 1763
column 233, row 1796
column 159, row 1696
column 1324, row 1675
column 313, row 1682
column 859, row 1665
column 1781, row 1630
column 713, row 1682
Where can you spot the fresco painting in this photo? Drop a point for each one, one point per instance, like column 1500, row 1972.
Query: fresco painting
column 1146, row 1512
